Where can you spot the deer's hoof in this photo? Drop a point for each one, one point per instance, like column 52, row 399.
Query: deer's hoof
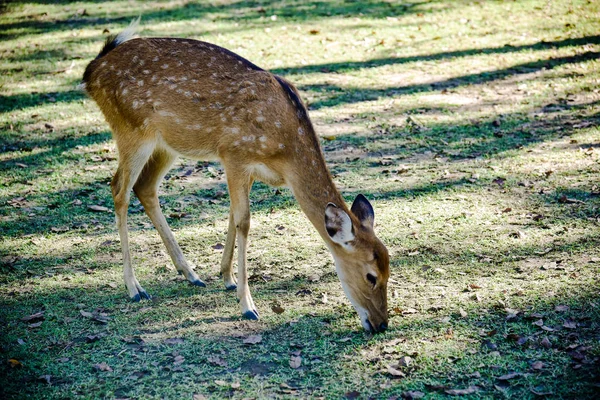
column 253, row 315
column 198, row 282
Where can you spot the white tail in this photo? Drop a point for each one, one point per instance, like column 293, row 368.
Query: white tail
column 166, row 98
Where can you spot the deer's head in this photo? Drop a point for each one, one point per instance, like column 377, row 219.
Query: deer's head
column 361, row 261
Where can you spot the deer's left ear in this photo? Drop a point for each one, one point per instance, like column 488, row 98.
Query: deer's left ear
column 338, row 225
column 363, row 210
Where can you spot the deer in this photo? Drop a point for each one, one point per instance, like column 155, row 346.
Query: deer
column 166, row 98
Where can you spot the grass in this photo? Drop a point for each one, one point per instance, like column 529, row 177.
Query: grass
column 473, row 128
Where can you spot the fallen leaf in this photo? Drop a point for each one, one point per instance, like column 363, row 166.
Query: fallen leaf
column 314, row 31
column 295, row 362
column 537, row 365
column 462, row 313
column 97, row 208
column 507, row 377
column 461, row 392
column 539, row 322
column 218, row 246
column 395, row 372
column 253, row 339
column 546, row 343
column 15, row 363
column 103, row 367
column 277, row 309
column 474, row 286
column 235, row 385
column 178, row 360
column 35, row 325
column 45, row 378
column 314, row 278
column 409, row 311
column 570, row 325
column 221, row 383
column 86, row 314
column 561, row 308
column 33, row 317
column 405, row 361
column 216, row 360
column 352, row 395
column 198, row 396
column 413, row 394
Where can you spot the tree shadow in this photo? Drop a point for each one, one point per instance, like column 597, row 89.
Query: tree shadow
column 27, row 100
column 347, row 66
column 334, row 95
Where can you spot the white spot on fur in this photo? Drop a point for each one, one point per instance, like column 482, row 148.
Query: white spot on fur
column 125, row 91
column 278, row 124
column 155, row 59
column 281, row 146
column 260, row 118
column 300, row 131
column 165, row 113
column 140, row 83
column 145, row 72
column 263, row 138
column 135, row 104
column 103, row 64
column 164, row 66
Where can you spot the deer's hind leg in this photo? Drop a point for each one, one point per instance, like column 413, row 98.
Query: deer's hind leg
column 146, row 189
column 131, row 162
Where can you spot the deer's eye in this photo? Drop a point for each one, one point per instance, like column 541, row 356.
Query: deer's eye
column 372, row 278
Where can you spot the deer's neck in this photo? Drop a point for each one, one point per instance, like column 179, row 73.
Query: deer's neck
column 313, row 188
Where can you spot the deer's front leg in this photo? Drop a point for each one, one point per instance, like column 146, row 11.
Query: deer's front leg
column 239, row 184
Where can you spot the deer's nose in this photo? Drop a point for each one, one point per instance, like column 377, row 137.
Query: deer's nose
column 382, row 327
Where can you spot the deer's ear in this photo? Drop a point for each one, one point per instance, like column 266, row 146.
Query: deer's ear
column 363, row 210
column 338, row 225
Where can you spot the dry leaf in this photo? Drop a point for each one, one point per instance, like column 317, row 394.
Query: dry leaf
column 103, row 367
column 235, row 385
column 15, row 363
column 178, row 360
column 198, row 396
column 413, row 394
column 570, row 325
column 539, row 322
column 405, row 361
column 509, row 376
column 277, row 309
column 537, row 365
column 221, row 383
column 461, row 392
column 314, row 31
column 217, row 361
column 561, row 308
column 33, row 317
column 395, row 372
column 463, row 313
column 97, row 208
column 218, row 246
column 173, row 341
column 253, row 339
column 295, row 362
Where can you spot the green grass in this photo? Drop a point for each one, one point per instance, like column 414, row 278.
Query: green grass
column 472, row 127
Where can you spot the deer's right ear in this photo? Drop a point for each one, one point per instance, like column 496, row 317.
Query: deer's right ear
column 338, row 225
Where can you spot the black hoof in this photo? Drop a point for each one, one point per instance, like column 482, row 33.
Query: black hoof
column 250, row 315
column 145, row 295
column 231, row 287
column 180, row 272
column 136, row 298
column 198, row 282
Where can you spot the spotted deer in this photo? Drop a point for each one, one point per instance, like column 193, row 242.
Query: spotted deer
column 169, row 97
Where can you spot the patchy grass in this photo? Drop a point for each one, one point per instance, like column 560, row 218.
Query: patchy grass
column 473, row 127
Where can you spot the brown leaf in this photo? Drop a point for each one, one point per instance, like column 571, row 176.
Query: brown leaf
column 413, row 394
column 216, row 360
column 537, row 365
column 178, row 360
column 462, row 392
column 103, row 367
column 405, row 361
column 97, row 208
column 506, row 377
column 15, row 363
column 252, row 339
column 570, row 325
column 314, row 31
column 277, row 309
column 295, row 362
column 474, row 286
column 33, row 317
column 395, row 372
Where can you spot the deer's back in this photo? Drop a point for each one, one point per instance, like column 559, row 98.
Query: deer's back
column 199, row 99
